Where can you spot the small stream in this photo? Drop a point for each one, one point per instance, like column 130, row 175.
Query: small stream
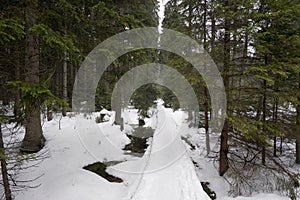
column 135, row 148
column 138, row 144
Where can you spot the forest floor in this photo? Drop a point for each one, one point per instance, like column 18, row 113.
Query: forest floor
column 169, row 169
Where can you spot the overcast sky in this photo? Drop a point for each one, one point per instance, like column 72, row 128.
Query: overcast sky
column 161, row 11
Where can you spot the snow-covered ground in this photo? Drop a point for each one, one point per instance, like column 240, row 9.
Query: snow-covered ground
column 165, row 172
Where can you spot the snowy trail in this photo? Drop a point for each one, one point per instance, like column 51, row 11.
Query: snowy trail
column 164, row 173
column 169, row 172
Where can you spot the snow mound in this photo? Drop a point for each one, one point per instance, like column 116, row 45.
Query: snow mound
column 167, row 172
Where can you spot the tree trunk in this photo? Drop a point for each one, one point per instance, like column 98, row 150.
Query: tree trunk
column 65, row 83
column 275, row 116
column 213, row 30
column 207, row 139
column 224, row 165
column 34, row 139
column 49, row 114
column 298, row 150
column 264, row 110
column 206, row 96
column 118, row 110
column 298, row 125
column 18, row 78
column 5, row 98
column 281, row 143
column 5, row 180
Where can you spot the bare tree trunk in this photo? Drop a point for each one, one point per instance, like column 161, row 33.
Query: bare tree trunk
column 206, row 96
column 34, row 139
column 5, row 100
column 298, row 125
column 264, row 113
column 264, row 110
column 275, row 116
column 18, row 78
column 49, row 114
column 281, row 143
column 118, row 110
column 213, row 28
column 65, row 83
column 207, row 138
column 224, row 165
column 224, row 148
column 298, row 150
column 5, row 180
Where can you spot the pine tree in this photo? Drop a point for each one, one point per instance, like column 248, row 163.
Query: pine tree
column 34, row 139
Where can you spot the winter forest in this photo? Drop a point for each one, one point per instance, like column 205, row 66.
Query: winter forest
column 143, row 139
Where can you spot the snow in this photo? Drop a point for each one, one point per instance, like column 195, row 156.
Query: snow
column 167, row 172
column 105, row 112
column 164, row 172
column 258, row 197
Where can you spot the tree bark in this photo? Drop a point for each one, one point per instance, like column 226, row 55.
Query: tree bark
column 224, row 165
column 213, row 29
column 5, row 98
column 5, row 179
column 34, row 139
column 206, row 96
column 18, row 78
column 118, row 110
column 65, row 83
column 264, row 110
column 207, row 139
column 298, row 125
column 298, row 148
column 49, row 114
column 275, row 117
